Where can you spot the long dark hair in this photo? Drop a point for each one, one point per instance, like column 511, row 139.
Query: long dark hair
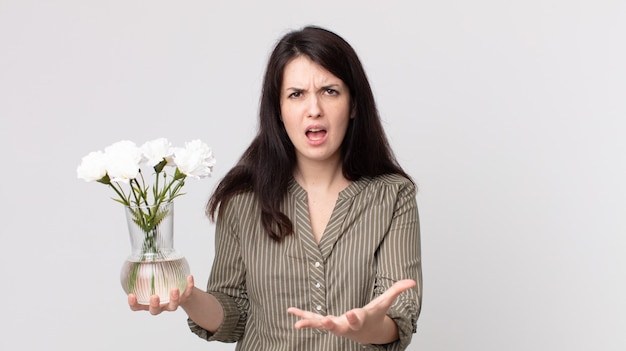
column 266, row 167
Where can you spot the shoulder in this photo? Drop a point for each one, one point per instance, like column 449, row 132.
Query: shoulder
column 392, row 179
column 386, row 188
column 240, row 205
column 393, row 182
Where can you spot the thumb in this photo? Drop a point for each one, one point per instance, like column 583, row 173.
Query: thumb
column 355, row 322
column 394, row 291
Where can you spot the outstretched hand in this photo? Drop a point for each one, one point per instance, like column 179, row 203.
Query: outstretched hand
column 367, row 325
column 155, row 307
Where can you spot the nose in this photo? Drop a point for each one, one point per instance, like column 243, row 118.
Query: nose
column 315, row 108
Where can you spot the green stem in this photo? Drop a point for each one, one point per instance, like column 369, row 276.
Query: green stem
column 166, row 189
column 140, row 216
column 144, row 188
column 121, row 194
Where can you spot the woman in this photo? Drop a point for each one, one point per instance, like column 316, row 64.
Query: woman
column 317, row 230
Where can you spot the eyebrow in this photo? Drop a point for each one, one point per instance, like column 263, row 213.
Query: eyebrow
column 331, row 86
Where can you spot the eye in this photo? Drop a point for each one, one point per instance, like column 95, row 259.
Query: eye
column 295, row 95
column 330, row 91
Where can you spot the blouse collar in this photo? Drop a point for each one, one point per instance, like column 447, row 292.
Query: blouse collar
column 350, row 191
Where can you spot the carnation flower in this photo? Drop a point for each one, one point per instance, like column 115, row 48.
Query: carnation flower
column 194, row 160
column 157, row 151
column 92, row 167
column 123, row 160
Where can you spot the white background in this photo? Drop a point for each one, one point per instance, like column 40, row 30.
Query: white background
column 510, row 115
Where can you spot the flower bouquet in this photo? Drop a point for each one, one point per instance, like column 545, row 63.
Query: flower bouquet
column 154, row 266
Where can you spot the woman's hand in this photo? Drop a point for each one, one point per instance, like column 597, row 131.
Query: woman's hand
column 155, row 307
column 366, row 325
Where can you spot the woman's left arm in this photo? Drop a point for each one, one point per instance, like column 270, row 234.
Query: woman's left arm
column 391, row 317
column 366, row 325
column 399, row 258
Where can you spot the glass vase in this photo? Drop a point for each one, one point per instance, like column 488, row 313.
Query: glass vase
column 154, row 267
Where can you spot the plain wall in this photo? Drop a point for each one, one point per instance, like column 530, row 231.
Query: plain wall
column 510, row 115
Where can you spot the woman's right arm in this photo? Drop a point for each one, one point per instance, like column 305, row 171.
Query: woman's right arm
column 201, row 307
column 220, row 312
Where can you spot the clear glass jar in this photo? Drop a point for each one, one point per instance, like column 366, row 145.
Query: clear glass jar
column 154, row 266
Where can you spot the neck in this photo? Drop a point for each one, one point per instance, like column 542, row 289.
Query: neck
column 320, row 175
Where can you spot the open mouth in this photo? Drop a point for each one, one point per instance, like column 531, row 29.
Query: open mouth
column 316, row 133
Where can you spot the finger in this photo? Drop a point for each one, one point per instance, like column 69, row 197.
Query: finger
column 190, row 285
column 134, row 305
column 155, row 305
column 174, row 299
column 307, row 319
column 295, row 311
column 329, row 323
column 302, row 313
column 308, row 324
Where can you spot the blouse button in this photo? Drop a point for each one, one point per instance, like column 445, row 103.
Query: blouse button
column 318, row 307
column 317, row 285
column 317, row 264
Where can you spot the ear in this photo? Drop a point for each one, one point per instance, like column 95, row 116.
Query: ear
column 352, row 111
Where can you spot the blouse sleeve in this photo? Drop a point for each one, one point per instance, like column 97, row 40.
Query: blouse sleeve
column 228, row 280
column 399, row 258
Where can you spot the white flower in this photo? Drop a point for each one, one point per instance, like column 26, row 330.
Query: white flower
column 92, row 167
column 195, row 159
column 122, row 161
column 156, row 150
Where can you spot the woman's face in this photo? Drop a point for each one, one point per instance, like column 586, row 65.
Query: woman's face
column 315, row 107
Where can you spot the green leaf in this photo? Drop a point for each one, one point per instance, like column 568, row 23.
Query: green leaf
column 120, row 201
column 158, row 217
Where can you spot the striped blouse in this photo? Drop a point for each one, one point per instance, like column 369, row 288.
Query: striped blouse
column 371, row 241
